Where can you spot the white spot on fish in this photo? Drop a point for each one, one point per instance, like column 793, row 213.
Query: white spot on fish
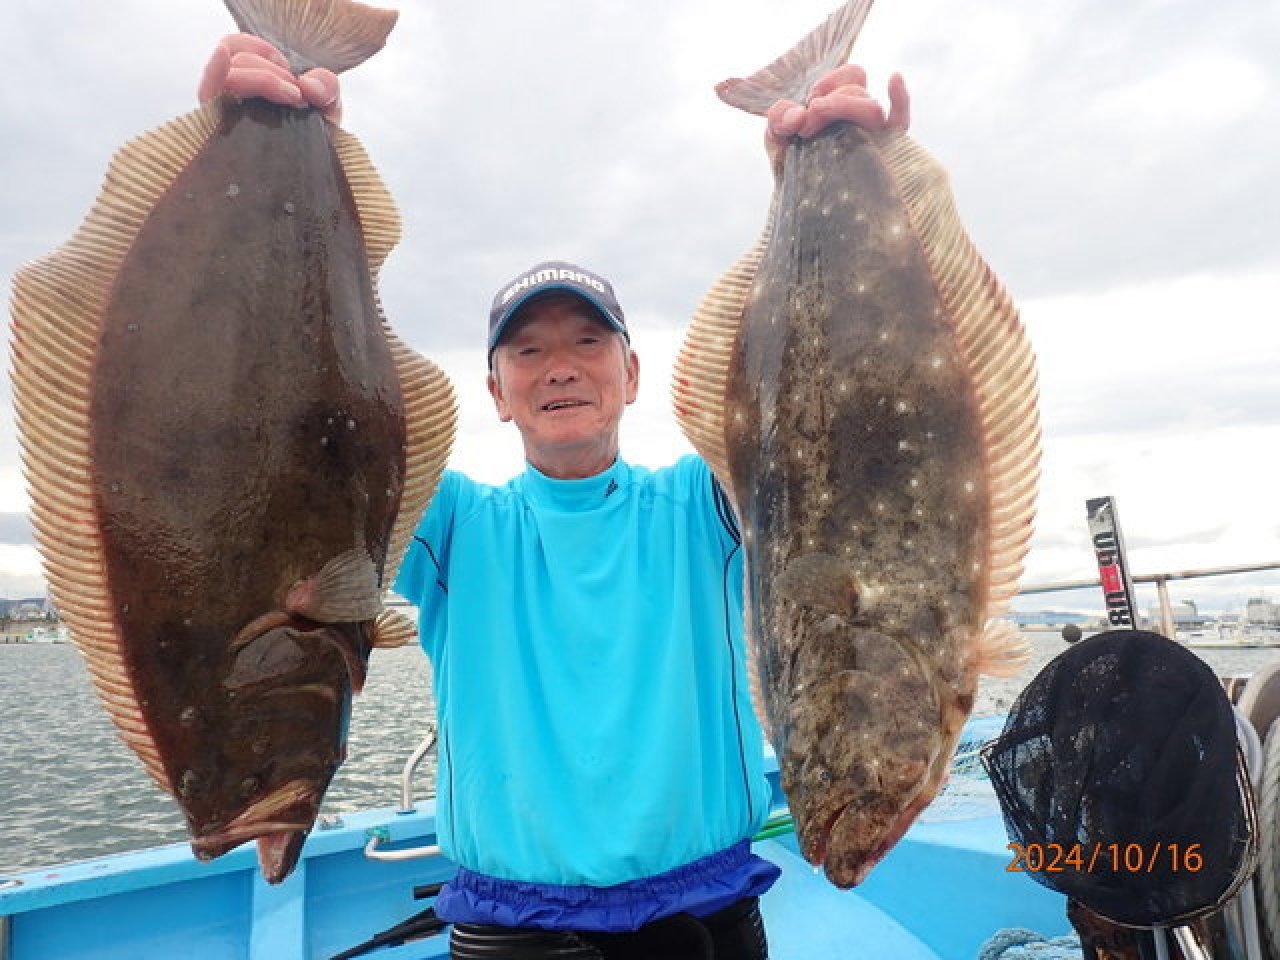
column 896, row 229
column 351, row 424
column 969, row 486
column 860, row 218
column 909, row 544
column 233, row 190
column 115, row 488
column 826, row 211
column 845, row 196
column 880, row 507
column 844, row 386
column 903, row 446
column 324, row 441
column 132, row 327
column 884, row 336
column 862, row 288
column 901, row 406
column 188, row 716
column 289, row 208
column 937, row 362
column 915, row 482
column 124, row 608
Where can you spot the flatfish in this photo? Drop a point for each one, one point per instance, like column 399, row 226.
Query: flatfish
column 227, row 448
column 862, row 387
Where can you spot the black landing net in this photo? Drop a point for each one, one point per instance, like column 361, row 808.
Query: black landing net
column 1122, row 783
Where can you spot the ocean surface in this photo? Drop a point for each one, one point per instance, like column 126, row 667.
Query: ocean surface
column 69, row 789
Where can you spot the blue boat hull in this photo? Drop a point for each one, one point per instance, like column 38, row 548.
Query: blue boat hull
column 940, row 894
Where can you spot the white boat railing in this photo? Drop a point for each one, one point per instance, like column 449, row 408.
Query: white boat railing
column 1161, row 580
column 377, row 838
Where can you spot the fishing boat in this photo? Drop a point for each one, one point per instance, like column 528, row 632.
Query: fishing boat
column 942, row 893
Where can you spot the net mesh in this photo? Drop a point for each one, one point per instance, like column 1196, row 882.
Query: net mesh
column 1119, row 776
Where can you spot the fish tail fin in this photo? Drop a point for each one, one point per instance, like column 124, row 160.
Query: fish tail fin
column 1002, row 652
column 335, row 34
column 793, row 75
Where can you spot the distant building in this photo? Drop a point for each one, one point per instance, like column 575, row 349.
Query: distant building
column 1262, row 611
column 1047, row 619
column 1186, row 616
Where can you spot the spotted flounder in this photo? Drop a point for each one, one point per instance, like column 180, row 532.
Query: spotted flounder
column 226, row 447
column 861, row 386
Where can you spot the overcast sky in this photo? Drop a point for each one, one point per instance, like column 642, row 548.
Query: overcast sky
column 1115, row 162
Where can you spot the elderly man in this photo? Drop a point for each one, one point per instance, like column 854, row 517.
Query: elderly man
column 600, row 765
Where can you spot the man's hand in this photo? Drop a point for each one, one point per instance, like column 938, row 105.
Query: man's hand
column 247, row 66
column 839, row 96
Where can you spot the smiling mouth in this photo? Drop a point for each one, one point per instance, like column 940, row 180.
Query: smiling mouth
column 555, row 405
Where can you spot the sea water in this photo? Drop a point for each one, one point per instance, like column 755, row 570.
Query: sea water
column 69, row 789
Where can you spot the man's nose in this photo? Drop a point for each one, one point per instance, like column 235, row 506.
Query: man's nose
column 561, row 371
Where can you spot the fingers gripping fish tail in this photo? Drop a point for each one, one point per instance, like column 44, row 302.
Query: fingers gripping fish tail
column 342, row 35
column 1002, row 652
column 793, row 75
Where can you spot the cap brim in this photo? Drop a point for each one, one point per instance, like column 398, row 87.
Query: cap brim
column 516, row 305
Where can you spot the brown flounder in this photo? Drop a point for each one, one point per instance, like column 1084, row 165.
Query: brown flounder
column 226, row 447
column 862, row 387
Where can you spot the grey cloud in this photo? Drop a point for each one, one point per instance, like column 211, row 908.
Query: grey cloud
column 15, row 529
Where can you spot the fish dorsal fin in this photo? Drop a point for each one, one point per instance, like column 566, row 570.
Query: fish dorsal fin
column 379, row 217
column 701, row 374
column 336, row 34
column 431, row 419
column 1002, row 652
column 793, row 74
column 57, row 305
column 431, row 410
column 393, row 629
column 995, row 347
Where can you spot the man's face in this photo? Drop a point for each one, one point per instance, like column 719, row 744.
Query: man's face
column 564, row 378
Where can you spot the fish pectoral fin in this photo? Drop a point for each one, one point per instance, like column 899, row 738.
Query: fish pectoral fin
column 346, row 590
column 393, row 629
column 1002, row 652
column 822, row 583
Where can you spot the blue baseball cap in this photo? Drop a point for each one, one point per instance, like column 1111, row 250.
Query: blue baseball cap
column 552, row 276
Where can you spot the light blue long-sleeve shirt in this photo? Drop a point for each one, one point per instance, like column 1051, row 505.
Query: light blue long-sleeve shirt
column 589, row 673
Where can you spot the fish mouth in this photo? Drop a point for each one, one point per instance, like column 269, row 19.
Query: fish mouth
column 849, row 872
column 287, row 810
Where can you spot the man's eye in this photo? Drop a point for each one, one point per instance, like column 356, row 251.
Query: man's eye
column 526, row 351
column 589, row 340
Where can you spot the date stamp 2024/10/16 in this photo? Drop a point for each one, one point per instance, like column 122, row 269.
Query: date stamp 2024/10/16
column 1105, row 857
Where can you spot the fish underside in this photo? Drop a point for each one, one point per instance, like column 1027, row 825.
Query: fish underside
column 229, row 455
column 862, row 388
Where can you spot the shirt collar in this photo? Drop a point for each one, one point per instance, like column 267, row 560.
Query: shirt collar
column 582, row 494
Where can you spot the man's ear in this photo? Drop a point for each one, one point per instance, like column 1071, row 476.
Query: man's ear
column 499, row 400
column 633, row 375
